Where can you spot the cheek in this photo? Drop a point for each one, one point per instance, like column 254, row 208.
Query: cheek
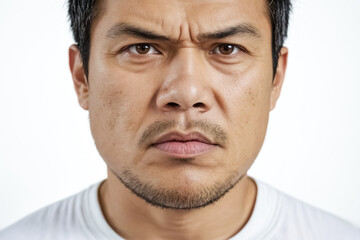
column 104, row 102
column 115, row 115
column 249, row 103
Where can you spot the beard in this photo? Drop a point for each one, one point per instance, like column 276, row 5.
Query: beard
column 178, row 198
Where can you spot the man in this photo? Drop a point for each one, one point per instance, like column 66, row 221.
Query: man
column 179, row 94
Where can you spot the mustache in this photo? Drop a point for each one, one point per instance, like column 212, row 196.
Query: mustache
column 210, row 129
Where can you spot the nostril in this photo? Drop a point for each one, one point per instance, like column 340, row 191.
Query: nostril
column 199, row 105
column 172, row 104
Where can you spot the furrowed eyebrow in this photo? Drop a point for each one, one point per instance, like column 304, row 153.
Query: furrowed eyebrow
column 123, row 29
column 241, row 29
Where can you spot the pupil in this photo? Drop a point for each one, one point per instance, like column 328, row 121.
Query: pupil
column 142, row 49
column 226, row 49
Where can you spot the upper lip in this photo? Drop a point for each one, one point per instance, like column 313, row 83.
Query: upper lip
column 179, row 137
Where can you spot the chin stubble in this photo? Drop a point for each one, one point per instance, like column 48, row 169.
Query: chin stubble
column 174, row 198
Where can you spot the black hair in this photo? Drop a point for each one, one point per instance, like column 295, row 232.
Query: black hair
column 82, row 14
column 279, row 11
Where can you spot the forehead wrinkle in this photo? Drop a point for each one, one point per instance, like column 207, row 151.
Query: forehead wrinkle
column 176, row 30
column 187, row 30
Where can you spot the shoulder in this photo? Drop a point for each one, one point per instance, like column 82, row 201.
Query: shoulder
column 58, row 219
column 297, row 218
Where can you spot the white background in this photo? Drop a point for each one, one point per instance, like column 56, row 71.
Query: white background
column 312, row 149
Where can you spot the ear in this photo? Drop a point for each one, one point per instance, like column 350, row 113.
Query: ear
column 79, row 77
column 279, row 77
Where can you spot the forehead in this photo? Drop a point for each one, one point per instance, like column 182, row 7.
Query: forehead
column 174, row 17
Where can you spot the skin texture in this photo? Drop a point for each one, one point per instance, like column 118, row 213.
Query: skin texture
column 187, row 85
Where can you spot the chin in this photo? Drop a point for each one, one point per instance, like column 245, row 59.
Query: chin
column 182, row 191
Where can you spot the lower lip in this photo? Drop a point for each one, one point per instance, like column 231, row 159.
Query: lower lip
column 184, row 149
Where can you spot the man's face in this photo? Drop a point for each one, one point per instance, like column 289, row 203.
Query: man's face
column 179, row 94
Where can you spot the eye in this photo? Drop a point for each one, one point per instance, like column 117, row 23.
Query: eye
column 143, row 48
column 226, row 49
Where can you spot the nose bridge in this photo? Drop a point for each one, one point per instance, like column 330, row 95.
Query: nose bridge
column 184, row 86
column 184, row 63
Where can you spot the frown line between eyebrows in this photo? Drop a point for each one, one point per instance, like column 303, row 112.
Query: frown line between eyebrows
column 125, row 30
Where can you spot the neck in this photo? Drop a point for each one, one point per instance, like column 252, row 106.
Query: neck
column 127, row 214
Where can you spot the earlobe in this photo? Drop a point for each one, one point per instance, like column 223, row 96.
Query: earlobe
column 79, row 77
column 279, row 77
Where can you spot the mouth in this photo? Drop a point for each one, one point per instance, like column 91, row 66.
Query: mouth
column 184, row 146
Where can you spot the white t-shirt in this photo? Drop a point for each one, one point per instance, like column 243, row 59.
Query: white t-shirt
column 276, row 216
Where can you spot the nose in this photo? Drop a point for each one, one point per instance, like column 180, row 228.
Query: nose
column 185, row 86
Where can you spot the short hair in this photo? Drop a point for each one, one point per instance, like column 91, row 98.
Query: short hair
column 82, row 14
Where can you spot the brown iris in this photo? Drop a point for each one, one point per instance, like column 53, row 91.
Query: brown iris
column 226, row 49
column 142, row 48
